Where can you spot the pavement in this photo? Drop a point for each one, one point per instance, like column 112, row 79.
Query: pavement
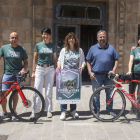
column 86, row 127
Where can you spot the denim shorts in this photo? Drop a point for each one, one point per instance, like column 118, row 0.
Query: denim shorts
column 6, row 78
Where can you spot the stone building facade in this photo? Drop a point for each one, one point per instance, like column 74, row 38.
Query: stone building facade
column 120, row 18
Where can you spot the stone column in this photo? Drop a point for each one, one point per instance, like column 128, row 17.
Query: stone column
column 111, row 24
column 42, row 17
column 120, row 39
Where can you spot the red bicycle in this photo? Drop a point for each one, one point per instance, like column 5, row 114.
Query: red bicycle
column 25, row 99
column 116, row 98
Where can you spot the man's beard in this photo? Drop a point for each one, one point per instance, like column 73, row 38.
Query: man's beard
column 101, row 41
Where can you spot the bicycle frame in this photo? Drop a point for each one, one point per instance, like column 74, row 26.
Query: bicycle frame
column 119, row 86
column 15, row 84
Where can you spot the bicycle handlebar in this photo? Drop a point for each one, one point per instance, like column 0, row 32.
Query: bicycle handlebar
column 21, row 77
column 113, row 77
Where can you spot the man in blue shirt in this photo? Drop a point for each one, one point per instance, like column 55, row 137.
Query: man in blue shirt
column 102, row 59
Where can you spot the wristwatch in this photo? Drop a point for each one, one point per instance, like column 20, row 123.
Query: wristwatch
column 89, row 73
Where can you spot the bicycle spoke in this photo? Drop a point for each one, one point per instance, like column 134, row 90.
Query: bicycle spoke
column 24, row 112
column 107, row 112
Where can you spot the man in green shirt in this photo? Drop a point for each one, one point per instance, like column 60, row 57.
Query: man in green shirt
column 13, row 56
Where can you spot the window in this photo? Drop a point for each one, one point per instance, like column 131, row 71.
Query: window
column 93, row 13
column 84, row 12
column 71, row 11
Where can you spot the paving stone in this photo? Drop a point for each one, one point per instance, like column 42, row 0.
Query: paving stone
column 112, row 133
column 4, row 137
column 129, row 132
column 46, row 138
column 134, row 139
column 86, row 127
column 7, row 128
column 20, row 127
column 99, row 132
column 15, row 136
column 34, row 130
column 75, row 138
column 88, row 132
column 31, row 137
column 47, row 131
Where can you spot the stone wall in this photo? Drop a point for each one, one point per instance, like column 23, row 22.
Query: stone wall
column 16, row 15
column 132, row 20
column 120, row 33
column 42, row 17
column 111, row 22
column 123, row 21
column 27, row 17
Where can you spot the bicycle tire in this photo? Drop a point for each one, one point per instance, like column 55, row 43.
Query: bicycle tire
column 103, row 115
column 23, row 112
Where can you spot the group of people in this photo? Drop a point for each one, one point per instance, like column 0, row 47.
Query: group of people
column 102, row 59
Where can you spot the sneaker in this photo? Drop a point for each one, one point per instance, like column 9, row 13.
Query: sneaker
column 112, row 114
column 3, row 115
column 49, row 114
column 133, row 110
column 74, row 114
column 63, row 116
column 95, row 111
column 13, row 118
column 33, row 115
column 138, row 115
column 97, row 114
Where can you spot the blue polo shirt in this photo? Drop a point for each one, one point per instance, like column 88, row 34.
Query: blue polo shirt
column 102, row 59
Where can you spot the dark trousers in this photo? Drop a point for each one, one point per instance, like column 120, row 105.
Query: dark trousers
column 63, row 107
column 132, row 85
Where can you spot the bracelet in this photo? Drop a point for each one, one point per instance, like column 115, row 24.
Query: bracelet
column 89, row 73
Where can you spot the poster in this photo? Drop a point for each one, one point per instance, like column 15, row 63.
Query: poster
column 68, row 86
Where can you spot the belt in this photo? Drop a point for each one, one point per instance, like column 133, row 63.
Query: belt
column 45, row 65
column 106, row 72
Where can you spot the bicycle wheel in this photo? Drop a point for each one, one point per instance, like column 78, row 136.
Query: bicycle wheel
column 117, row 107
column 23, row 112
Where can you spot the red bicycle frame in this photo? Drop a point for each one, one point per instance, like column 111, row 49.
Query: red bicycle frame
column 119, row 86
column 15, row 84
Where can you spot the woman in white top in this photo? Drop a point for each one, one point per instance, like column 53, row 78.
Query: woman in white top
column 71, row 57
column 44, row 65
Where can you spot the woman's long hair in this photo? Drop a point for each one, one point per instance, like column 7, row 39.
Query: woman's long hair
column 138, row 39
column 76, row 45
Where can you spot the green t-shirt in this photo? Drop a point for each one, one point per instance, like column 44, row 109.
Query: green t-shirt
column 13, row 57
column 136, row 62
column 45, row 52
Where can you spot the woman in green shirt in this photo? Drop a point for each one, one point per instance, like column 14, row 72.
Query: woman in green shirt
column 44, row 65
column 134, row 68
